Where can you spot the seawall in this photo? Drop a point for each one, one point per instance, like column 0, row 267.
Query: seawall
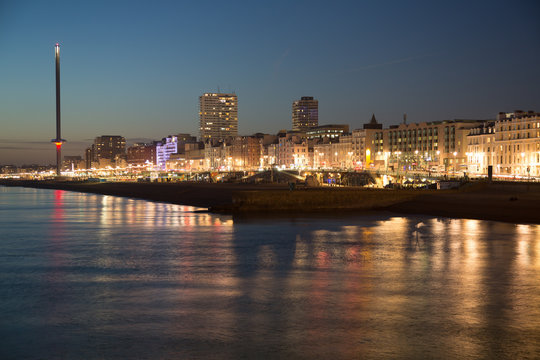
column 315, row 200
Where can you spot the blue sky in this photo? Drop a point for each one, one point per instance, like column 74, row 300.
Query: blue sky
column 136, row 68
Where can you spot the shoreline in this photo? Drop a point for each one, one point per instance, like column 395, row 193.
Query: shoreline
column 512, row 203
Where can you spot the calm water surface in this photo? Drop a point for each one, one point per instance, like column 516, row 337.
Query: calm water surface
column 93, row 277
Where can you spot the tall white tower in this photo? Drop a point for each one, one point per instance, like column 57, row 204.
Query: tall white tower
column 58, row 140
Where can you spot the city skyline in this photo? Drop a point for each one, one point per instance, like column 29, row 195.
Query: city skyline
column 124, row 74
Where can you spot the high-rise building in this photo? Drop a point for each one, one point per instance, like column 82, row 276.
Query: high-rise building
column 218, row 115
column 89, row 156
column 107, row 150
column 109, row 146
column 305, row 113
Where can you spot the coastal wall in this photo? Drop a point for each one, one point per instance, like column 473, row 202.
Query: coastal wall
column 310, row 200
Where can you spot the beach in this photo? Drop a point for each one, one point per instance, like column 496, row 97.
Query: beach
column 508, row 202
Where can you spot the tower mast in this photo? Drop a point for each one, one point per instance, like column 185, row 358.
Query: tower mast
column 58, row 141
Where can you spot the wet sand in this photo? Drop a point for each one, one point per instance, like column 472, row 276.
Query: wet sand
column 507, row 206
column 185, row 193
column 517, row 203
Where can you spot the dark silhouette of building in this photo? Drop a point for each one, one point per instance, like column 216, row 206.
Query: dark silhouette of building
column 140, row 154
column 106, row 150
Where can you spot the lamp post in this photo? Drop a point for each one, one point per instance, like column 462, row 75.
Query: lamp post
column 398, row 155
column 523, row 163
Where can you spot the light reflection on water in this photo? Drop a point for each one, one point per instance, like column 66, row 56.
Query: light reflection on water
column 90, row 276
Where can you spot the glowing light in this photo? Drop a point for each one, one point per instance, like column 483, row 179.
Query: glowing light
column 58, row 144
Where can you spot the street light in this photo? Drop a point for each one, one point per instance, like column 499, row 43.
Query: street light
column 398, row 155
column 522, row 163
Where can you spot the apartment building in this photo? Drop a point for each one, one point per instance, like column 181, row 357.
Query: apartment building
column 218, row 116
column 517, row 138
column 481, row 148
column 440, row 145
column 305, row 113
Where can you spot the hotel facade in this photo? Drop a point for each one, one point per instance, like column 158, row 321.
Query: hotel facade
column 510, row 144
column 432, row 146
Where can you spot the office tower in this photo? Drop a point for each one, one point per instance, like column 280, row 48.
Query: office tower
column 305, row 113
column 218, row 115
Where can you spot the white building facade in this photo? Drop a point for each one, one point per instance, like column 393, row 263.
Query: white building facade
column 164, row 150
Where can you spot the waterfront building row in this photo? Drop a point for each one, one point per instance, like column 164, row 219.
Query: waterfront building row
column 510, row 145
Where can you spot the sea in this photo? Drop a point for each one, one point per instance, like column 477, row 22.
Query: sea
column 86, row 276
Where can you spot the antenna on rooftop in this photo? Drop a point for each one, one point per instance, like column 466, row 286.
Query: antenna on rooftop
column 404, row 118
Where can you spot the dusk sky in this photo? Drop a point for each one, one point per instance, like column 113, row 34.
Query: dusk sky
column 137, row 68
